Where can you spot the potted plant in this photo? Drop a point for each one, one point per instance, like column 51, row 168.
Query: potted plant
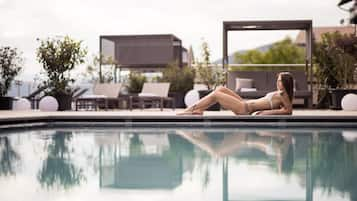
column 209, row 75
column 212, row 77
column 10, row 66
column 335, row 57
column 135, row 82
column 59, row 56
column 181, row 81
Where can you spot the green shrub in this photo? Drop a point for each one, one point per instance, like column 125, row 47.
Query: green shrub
column 181, row 79
column 136, row 82
column 335, row 57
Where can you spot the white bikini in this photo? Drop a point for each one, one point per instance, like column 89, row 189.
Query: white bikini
column 269, row 97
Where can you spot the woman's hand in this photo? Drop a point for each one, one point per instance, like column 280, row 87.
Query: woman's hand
column 257, row 113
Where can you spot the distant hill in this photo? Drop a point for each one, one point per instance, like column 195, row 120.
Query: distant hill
column 263, row 48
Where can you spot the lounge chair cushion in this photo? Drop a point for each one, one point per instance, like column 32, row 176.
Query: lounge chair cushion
column 159, row 89
column 110, row 90
column 147, row 94
column 94, row 96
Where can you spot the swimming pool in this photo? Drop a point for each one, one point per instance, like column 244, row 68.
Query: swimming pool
column 178, row 164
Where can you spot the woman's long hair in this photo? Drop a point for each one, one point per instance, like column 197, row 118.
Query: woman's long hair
column 288, row 83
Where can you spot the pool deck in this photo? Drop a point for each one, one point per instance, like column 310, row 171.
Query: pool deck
column 168, row 117
column 155, row 113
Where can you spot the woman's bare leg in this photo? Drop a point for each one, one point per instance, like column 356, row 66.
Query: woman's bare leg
column 229, row 92
column 227, row 101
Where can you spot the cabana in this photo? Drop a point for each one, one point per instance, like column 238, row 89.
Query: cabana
column 145, row 53
column 305, row 25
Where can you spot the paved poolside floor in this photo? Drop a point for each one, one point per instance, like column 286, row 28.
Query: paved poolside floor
column 156, row 112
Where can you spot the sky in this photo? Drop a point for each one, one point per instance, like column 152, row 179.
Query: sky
column 193, row 21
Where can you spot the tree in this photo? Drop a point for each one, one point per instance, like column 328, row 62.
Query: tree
column 211, row 76
column 282, row 52
column 59, row 56
column 10, row 66
column 205, row 53
column 58, row 169
column 92, row 70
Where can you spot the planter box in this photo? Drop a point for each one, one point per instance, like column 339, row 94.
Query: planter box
column 336, row 96
column 6, row 103
column 179, row 99
column 64, row 101
column 215, row 107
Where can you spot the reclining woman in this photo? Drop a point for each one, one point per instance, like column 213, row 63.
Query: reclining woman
column 278, row 102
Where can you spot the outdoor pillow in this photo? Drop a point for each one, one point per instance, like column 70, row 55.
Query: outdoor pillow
column 248, row 89
column 243, row 83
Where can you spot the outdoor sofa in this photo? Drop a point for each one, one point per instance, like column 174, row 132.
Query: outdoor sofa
column 256, row 84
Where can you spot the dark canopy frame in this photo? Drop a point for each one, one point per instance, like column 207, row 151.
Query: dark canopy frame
column 140, row 52
column 272, row 25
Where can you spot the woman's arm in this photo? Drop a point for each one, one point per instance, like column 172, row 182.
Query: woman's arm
column 281, row 111
column 286, row 109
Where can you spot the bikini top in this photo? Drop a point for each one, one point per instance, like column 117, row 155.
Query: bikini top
column 269, row 98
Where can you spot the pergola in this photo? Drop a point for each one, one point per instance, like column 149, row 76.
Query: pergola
column 140, row 52
column 272, row 25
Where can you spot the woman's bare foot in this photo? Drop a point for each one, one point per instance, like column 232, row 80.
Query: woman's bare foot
column 190, row 111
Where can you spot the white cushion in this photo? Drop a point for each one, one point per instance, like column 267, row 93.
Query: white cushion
column 147, row 94
column 243, row 83
column 248, row 89
column 199, row 87
column 159, row 88
column 94, row 96
column 110, row 90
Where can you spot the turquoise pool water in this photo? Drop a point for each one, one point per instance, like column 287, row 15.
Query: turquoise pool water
column 178, row 164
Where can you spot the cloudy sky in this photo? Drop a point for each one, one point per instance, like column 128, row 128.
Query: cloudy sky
column 22, row 21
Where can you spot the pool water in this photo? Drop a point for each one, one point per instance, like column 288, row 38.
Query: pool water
column 178, row 164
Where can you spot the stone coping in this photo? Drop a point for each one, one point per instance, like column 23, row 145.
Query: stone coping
column 304, row 118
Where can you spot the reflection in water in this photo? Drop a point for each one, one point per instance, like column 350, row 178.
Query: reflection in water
column 8, row 157
column 244, row 145
column 331, row 162
column 58, row 169
column 206, row 164
column 334, row 164
column 277, row 145
column 140, row 161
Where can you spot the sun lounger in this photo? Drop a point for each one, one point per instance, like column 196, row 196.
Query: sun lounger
column 103, row 94
column 153, row 94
